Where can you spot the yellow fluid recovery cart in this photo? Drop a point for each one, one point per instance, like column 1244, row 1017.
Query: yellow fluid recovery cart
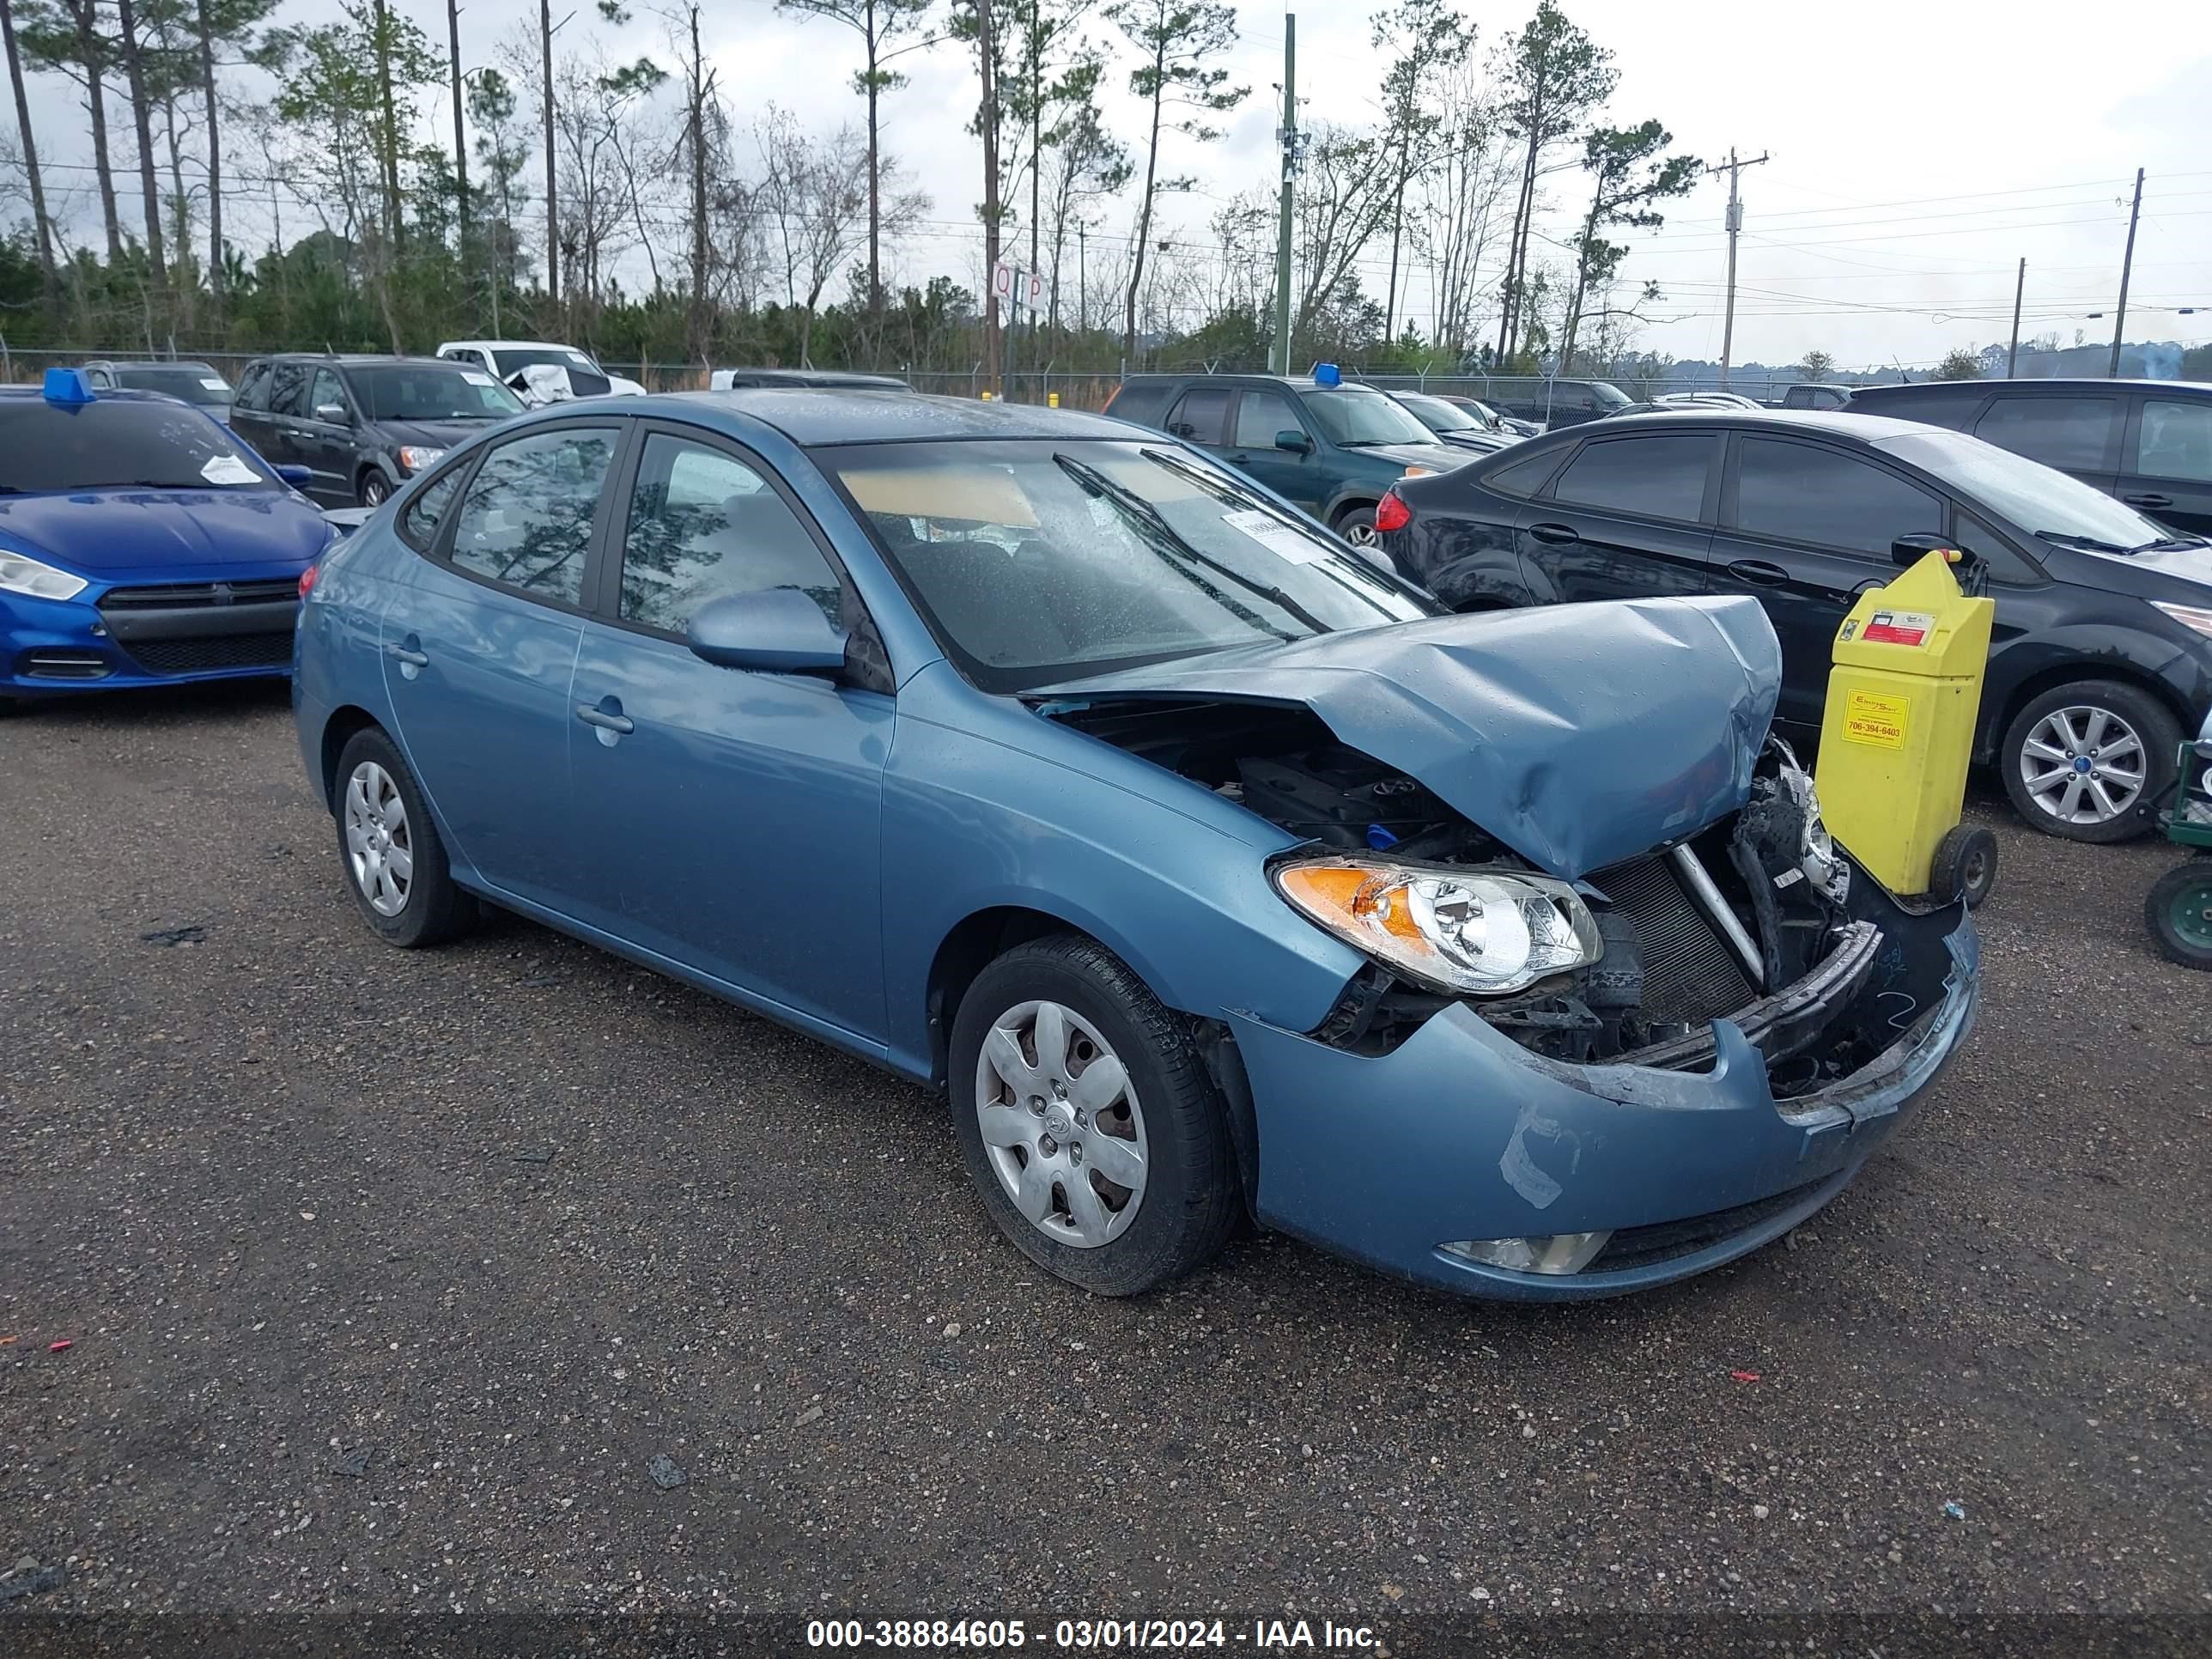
column 1898, row 730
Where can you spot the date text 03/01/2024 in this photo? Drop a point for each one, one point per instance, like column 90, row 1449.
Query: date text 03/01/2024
column 1083, row 1634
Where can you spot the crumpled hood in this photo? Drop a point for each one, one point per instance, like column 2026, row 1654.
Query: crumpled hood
column 103, row 534
column 1579, row 735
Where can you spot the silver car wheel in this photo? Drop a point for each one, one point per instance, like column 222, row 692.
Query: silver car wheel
column 1061, row 1126
column 2083, row 765
column 1359, row 535
column 380, row 847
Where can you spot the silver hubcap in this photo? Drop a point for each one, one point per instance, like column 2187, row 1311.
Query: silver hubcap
column 380, row 847
column 1060, row 1124
column 1359, row 535
column 2083, row 765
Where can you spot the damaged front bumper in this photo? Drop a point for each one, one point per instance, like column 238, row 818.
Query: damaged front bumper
column 1460, row 1134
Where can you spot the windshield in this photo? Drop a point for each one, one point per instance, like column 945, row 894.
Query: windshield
column 431, row 391
column 2041, row 500
column 1034, row 560
column 1439, row 416
column 1609, row 396
column 116, row 443
column 512, row 360
column 1363, row 418
column 194, row 382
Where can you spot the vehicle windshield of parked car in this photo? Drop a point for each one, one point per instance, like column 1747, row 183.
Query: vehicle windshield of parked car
column 1439, row 416
column 431, row 391
column 195, row 386
column 513, row 360
column 1042, row 560
column 118, row 443
column 1349, row 419
column 2040, row 500
column 1608, row 396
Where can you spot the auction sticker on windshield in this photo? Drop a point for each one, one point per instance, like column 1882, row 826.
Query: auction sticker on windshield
column 211, row 384
column 228, row 470
column 1284, row 541
column 1872, row 717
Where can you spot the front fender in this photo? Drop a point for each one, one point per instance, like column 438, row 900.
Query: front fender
column 2089, row 651
column 987, row 804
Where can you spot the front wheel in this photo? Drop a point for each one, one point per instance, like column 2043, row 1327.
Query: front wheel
column 375, row 489
column 1088, row 1121
column 2089, row 762
column 1357, row 527
column 2179, row 913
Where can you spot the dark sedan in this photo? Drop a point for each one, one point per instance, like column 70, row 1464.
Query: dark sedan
column 2103, row 645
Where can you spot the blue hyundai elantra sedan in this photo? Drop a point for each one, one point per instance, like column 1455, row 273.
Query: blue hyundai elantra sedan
column 1209, row 871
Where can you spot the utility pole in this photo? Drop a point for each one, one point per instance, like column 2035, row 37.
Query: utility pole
column 1735, row 225
column 1279, row 358
column 552, row 193
column 2127, row 265
column 2019, row 288
column 1082, row 278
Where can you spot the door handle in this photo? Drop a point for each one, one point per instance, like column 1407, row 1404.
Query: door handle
column 1557, row 534
column 409, row 658
column 1758, row 572
column 611, row 722
column 2147, row 501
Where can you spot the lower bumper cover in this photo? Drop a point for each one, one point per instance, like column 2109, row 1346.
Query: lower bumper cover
column 1462, row 1133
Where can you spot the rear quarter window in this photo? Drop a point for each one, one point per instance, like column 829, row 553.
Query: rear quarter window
column 1145, row 404
column 1526, row 475
column 1954, row 407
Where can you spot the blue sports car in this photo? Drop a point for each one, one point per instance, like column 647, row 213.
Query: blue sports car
column 1209, row 871
column 141, row 543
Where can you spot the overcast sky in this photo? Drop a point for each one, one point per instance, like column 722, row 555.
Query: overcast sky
column 1920, row 148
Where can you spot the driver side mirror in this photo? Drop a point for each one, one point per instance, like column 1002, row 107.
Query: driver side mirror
column 335, row 414
column 777, row 630
column 1296, row 441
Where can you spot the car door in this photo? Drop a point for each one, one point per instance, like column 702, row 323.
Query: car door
column 2076, row 433
column 322, row 439
column 276, row 421
column 2167, row 472
column 1293, row 474
column 481, row 653
column 736, row 816
column 1804, row 528
column 1628, row 517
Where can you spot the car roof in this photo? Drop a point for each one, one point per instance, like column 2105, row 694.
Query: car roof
column 121, row 394
column 2076, row 383
column 147, row 363
column 355, row 357
column 1291, row 382
column 808, row 415
column 527, row 345
column 804, row 377
column 1835, row 422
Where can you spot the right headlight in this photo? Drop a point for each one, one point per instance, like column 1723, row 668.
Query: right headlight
column 39, row 581
column 1479, row 932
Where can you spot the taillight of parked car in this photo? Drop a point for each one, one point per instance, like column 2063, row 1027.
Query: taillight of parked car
column 1392, row 514
column 307, row 580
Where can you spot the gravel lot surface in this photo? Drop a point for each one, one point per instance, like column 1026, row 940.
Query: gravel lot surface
column 508, row 1276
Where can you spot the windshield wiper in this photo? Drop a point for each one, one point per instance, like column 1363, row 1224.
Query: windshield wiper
column 1368, row 443
column 2086, row 543
column 1137, row 508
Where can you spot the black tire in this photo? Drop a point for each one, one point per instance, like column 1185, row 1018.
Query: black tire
column 1357, row 527
column 375, row 489
column 1191, row 1197
column 2178, row 913
column 2155, row 728
column 1965, row 866
column 434, row 908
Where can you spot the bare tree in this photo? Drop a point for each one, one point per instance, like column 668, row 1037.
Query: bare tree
column 36, row 185
column 1344, row 195
column 812, row 196
column 1460, row 199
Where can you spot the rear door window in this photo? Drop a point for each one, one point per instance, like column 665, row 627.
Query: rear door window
column 1799, row 493
column 1202, row 415
column 525, row 521
column 2075, row 434
column 2174, row 441
column 1662, row 475
column 288, row 389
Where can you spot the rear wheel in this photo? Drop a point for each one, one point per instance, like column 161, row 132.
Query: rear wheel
column 2179, row 913
column 1090, row 1125
column 395, row 864
column 2089, row 761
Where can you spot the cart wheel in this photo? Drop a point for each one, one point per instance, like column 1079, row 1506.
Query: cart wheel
column 1965, row 866
column 2179, row 913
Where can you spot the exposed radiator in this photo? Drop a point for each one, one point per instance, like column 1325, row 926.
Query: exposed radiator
column 1690, row 974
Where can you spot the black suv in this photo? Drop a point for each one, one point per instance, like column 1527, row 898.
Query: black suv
column 2148, row 442
column 2102, row 654
column 362, row 426
column 1559, row 403
column 1330, row 447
